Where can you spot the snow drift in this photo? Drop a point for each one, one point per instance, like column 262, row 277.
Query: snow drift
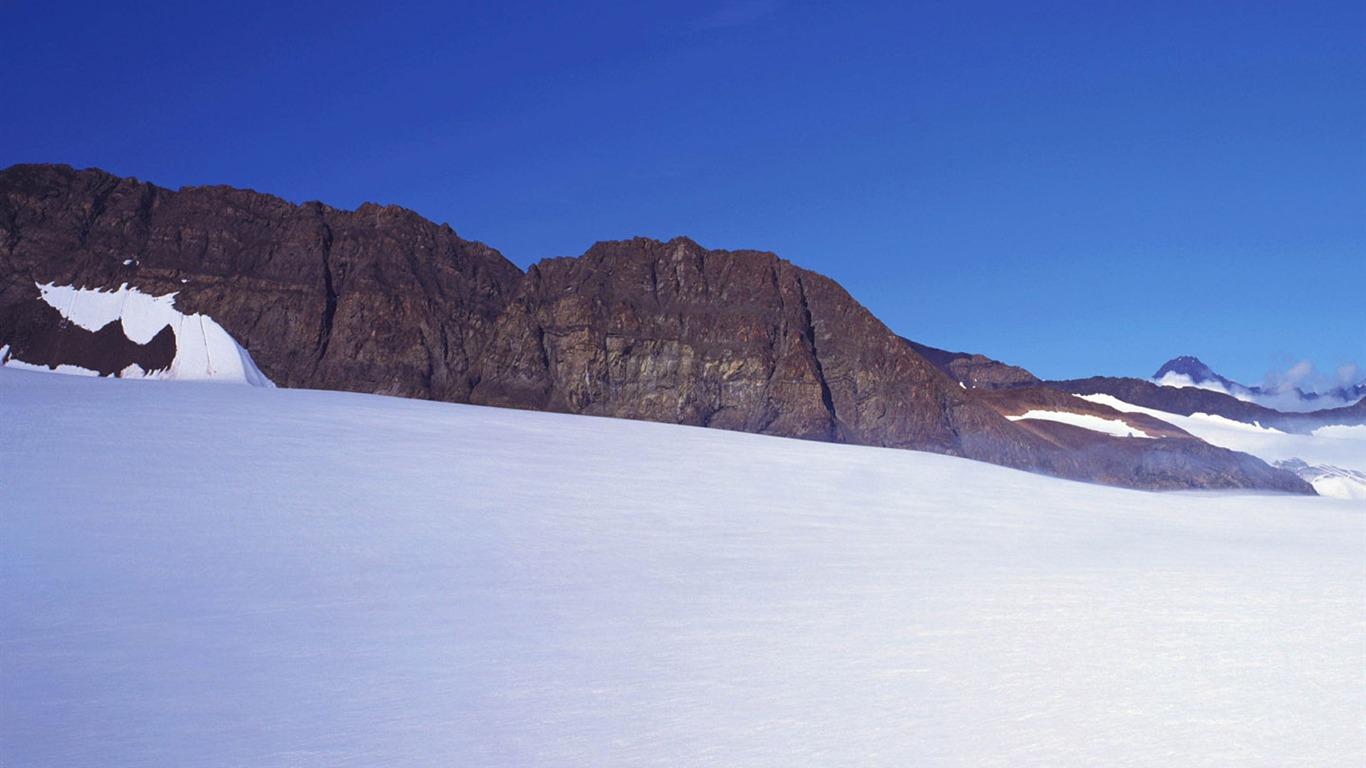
column 194, row 575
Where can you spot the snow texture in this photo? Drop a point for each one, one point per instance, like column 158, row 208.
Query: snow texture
column 204, row 350
column 195, row 576
column 1328, row 480
column 1113, row 427
column 69, row 370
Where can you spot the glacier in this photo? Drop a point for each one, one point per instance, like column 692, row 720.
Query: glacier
column 197, row 575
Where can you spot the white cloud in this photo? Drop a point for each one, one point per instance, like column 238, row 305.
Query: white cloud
column 1348, row 374
column 1294, row 376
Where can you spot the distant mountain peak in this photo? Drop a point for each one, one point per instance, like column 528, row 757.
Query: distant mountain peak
column 1191, row 371
column 1192, row 367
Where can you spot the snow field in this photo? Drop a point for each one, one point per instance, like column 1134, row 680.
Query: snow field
column 194, row 575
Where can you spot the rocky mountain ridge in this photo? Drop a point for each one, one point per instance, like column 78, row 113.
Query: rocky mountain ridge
column 977, row 371
column 1191, row 400
column 380, row 300
column 1188, row 369
column 376, row 299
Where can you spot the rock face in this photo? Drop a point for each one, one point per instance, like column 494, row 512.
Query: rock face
column 28, row 331
column 1018, row 401
column 975, row 371
column 736, row 340
column 1168, row 458
column 375, row 300
column 663, row 332
column 1194, row 369
column 1190, row 400
column 1202, row 375
column 380, row 300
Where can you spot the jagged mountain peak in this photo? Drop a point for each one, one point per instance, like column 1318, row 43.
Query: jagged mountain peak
column 1192, row 367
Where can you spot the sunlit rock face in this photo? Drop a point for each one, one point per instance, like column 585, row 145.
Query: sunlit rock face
column 381, row 300
column 975, row 371
column 737, row 340
column 377, row 299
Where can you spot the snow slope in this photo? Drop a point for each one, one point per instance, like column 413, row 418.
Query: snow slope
column 1332, row 449
column 210, row 576
column 204, row 350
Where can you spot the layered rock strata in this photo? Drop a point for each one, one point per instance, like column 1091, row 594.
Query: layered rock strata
column 380, row 300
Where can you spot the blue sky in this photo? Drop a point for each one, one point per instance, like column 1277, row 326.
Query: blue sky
column 1076, row 187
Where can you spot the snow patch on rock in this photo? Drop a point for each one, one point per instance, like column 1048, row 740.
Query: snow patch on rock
column 1113, row 427
column 204, row 350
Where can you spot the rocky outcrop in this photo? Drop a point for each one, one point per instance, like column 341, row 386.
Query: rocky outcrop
column 663, row 332
column 1201, row 375
column 377, row 299
column 1156, row 455
column 380, row 300
column 975, row 371
column 1164, row 463
column 1193, row 368
column 38, row 334
column 735, row 340
column 1016, row 402
column 1190, row 400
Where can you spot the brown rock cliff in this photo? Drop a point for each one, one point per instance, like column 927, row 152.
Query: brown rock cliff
column 375, row 300
column 380, row 300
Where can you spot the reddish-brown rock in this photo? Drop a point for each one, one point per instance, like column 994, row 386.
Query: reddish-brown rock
column 374, row 300
column 975, row 371
column 737, row 340
column 380, row 300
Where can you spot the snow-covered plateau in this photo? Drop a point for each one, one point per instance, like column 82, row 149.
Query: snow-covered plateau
column 197, row 575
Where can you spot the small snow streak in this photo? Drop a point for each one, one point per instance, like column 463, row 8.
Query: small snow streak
column 1113, row 427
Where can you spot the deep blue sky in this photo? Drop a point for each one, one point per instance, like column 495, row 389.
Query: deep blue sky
column 1075, row 187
